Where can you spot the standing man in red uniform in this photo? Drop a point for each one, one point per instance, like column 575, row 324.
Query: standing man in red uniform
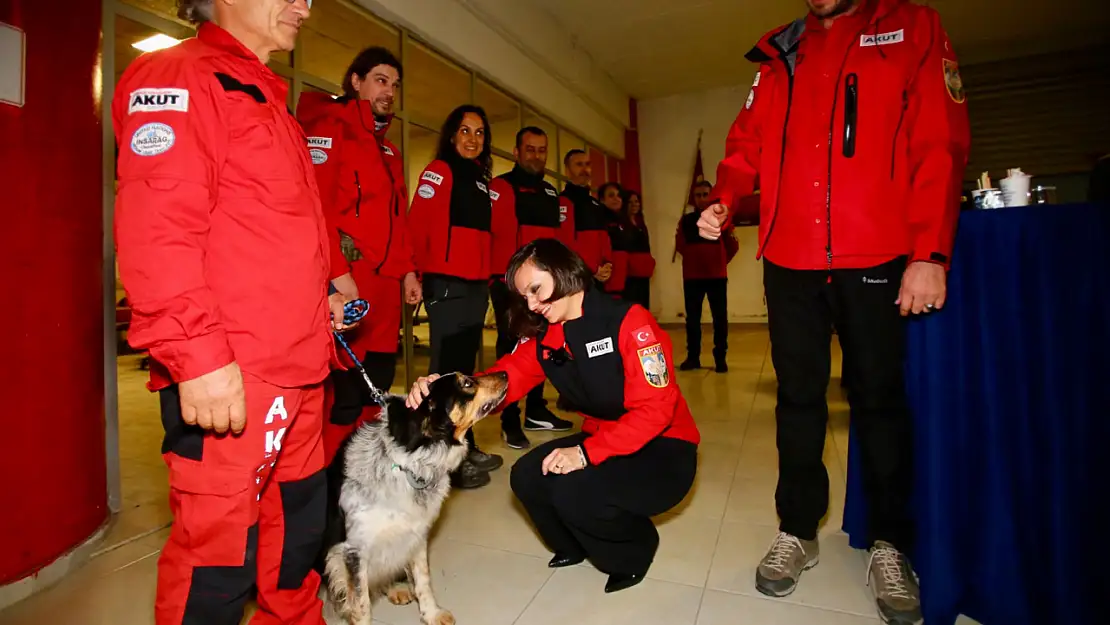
column 585, row 229
column 525, row 208
column 222, row 249
column 362, row 188
column 705, row 276
column 856, row 128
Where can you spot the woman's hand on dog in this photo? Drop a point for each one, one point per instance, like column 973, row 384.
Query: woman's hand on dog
column 564, row 460
column 420, row 390
column 215, row 400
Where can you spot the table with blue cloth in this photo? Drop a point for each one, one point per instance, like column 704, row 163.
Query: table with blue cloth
column 1009, row 386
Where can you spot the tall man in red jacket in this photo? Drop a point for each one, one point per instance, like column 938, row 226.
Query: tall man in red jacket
column 525, row 208
column 362, row 187
column 223, row 253
column 856, row 128
column 584, row 228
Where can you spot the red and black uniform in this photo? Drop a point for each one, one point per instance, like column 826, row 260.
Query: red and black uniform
column 224, row 254
column 639, row 437
column 705, row 276
column 362, row 187
column 525, row 208
column 858, row 134
column 584, row 228
column 620, row 243
column 641, row 264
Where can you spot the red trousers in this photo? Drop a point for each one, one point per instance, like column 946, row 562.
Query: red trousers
column 379, row 331
column 249, row 512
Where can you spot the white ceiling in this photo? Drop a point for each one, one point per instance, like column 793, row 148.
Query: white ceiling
column 654, row 48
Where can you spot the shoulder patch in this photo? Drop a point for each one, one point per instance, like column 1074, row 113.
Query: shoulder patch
column 482, row 187
column 600, row 348
column 755, row 83
column 551, row 192
column 432, row 177
column 654, row 365
column 388, row 150
column 953, row 82
column 319, row 157
column 494, row 195
column 155, row 100
column 152, row 139
column 426, row 191
column 320, row 142
column 751, row 100
column 644, row 336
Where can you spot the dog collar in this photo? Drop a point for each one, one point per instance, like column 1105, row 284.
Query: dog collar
column 415, row 481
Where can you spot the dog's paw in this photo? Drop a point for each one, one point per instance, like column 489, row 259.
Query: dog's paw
column 401, row 594
column 443, row 617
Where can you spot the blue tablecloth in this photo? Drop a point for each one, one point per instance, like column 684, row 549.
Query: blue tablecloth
column 1010, row 390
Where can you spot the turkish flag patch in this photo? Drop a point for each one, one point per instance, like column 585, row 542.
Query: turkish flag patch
column 644, row 336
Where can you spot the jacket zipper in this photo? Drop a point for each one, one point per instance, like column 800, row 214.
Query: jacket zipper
column 897, row 130
column 782, row 150
column 389, row 239
column 358, row 202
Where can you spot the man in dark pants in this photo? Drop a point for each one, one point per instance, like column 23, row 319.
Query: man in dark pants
column 862, row 253
column 704, row 275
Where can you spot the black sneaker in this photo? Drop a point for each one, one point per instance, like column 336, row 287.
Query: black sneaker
column 483, row 461
column 513, row 435
column 543, row 419
column 690, row 364
column 468, row 476
column 722, row 366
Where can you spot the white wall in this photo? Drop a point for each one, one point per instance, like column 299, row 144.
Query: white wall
column 668, row 129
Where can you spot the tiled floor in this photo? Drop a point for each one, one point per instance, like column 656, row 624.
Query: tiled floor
column 489, row 568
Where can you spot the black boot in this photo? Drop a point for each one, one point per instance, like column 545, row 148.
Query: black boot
column 720, row 360
column 511, row 430
column 692, row 363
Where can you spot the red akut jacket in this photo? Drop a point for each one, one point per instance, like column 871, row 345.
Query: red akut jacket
column 362, row 184
column 703, row 259
column 641, row 264
column 651, row 411
column 584, row 229
column 219, row 230
column 525, row 208
column 892, row 187
column 450, row 221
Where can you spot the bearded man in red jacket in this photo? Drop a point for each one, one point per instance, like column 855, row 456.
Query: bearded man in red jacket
column 856, row 129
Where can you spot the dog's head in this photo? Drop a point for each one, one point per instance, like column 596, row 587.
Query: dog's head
column 455, row 402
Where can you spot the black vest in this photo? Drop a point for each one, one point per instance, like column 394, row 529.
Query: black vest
column 588, row 212
column 638, row 240
column 592, row 381
column 620, row 232
column 689, row 227
column 470, row 203
column 537, row 202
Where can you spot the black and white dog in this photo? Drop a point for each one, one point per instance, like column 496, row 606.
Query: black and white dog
column 385, row 490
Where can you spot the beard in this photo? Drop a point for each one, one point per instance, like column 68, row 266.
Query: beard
column 837, row 9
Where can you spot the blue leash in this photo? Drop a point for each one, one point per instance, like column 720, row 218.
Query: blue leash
column 353, row 312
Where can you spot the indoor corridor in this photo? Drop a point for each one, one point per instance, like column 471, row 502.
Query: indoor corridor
column 489, row 567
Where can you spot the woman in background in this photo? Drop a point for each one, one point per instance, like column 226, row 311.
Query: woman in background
column 641, row 264
column 450, row 224
column 612, row 198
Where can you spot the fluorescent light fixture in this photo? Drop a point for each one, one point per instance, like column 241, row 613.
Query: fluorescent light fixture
column 157, row 42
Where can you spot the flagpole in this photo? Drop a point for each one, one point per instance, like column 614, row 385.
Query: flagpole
column 693, row 171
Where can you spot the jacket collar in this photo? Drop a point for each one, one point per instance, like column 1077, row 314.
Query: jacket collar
column 783, row 41
column 220, row 39
column 576, row 191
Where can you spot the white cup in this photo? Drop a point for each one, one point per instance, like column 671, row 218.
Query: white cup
column 1015, row 190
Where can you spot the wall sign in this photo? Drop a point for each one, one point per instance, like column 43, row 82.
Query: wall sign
column 13, row 64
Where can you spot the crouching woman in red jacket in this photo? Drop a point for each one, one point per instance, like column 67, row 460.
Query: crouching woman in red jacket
column 592, row 494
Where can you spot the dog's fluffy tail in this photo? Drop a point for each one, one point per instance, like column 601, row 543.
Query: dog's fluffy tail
column 341, row 568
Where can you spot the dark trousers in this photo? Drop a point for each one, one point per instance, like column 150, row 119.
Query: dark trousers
column 638, row 291
column 456, row 315
column 351, row 392
column 802, row 307
column 603, row 512
column 716, row 289
column 506, row 341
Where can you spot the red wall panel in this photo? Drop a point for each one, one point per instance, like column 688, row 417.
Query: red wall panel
column 597, row 165
column 630, row 167
column 52, row 470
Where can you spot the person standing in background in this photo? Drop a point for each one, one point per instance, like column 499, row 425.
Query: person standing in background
column 584, row 229
column 525, row 208
column 857, row 129
column 450, row 223
column 704, row 276
column 641, row 264
column 362, row 187
column 612, row 198
column 223, row 252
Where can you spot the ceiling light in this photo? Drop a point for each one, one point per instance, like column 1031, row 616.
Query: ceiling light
column 157, row 42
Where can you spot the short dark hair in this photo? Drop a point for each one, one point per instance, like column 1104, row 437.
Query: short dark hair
column 195, row 11
column 704, row 183
column 448, row 152
column 574, row 152
column 367, row 60
column 529, row 130
column 567, row 269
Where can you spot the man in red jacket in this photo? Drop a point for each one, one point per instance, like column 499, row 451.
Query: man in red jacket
column 704, row 275
column 856, row 128
column 584, row 228
column 362, row 188
column 525, row 208
column 223, row 252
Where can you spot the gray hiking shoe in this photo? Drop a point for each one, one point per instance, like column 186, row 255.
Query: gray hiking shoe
column 894, row 586
column 780, row 569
